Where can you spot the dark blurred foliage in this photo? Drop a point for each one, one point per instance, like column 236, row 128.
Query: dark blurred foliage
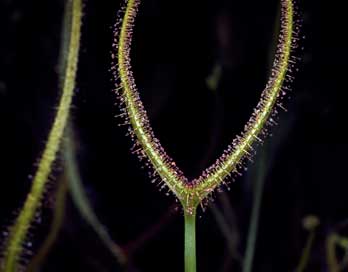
column 176, row 46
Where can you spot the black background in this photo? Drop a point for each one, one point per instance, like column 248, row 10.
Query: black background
column 176, row 45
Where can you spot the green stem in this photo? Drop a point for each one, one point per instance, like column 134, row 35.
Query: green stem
column 190, row 242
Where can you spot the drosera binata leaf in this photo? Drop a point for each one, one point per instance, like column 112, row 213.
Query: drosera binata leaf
column 192, row 193
column 18, row 232
column 146, row 145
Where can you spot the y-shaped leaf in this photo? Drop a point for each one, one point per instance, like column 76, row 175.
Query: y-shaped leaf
column 192, row 193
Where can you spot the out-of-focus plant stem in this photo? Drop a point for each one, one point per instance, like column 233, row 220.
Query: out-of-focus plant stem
column 59, row 212
column 255, row 214
column 227, row 230
column 306, row 252
column 331, row 257
column 81, row 200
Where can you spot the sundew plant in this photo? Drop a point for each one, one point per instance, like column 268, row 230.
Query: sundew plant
column 163, row 170
column 191, row 193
